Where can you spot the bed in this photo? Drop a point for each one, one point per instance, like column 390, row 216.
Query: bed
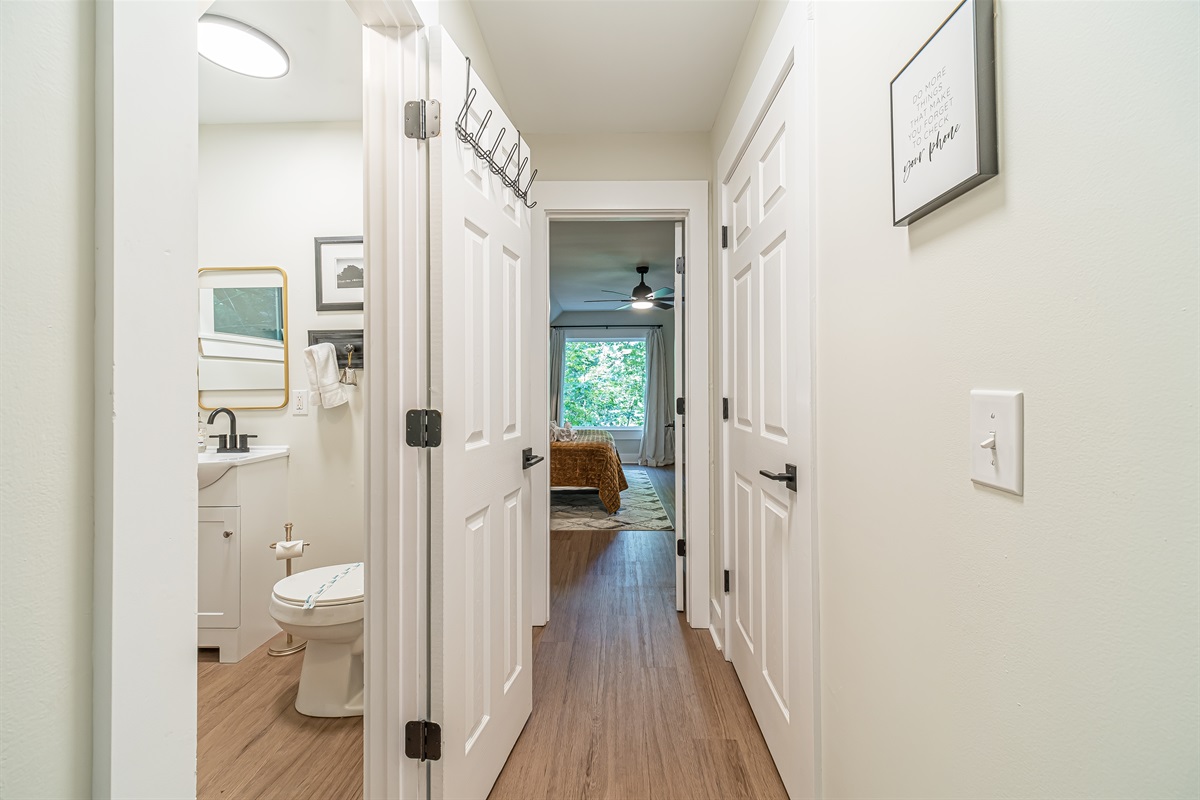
column 591, row 461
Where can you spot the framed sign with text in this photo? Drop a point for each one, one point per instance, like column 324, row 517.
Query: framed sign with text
column 944, row 115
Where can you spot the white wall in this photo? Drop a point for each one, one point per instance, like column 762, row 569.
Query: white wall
column 976, row 644
column 620, row 157
column 458, row 18
column 629, row 443
column 46, row 310
column 265, row 192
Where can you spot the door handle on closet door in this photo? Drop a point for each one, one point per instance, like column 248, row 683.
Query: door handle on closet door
column 787, row 477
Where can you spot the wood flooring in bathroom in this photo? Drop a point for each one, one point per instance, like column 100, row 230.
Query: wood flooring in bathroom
column 253, row 743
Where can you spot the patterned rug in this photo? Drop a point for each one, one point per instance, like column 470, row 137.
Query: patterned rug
column 581, row 510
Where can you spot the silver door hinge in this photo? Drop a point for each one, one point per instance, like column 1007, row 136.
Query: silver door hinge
column 423, row 428
column 422, row 119
column 679, row 265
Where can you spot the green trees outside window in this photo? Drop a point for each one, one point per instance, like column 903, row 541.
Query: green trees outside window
column 604, row 383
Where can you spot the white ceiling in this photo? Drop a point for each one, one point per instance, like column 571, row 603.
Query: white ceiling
column 565, row 66
column 614, row 66
column 323, row 38
column 587, row 258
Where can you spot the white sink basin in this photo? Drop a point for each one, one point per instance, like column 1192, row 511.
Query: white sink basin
column 211, row 465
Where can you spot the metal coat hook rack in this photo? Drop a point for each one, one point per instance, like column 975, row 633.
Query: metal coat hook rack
column 475, row 140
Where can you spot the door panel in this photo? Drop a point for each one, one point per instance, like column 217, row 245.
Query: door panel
column 479, row 635
column 767, row 347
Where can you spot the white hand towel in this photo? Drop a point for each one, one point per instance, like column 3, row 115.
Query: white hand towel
column 321, row 362
column 292, row 549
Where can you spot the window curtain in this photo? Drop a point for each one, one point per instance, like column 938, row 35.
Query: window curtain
column 658, row 442
column 558, row 351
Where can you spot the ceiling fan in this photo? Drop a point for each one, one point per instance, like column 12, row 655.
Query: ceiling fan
column 642, row 297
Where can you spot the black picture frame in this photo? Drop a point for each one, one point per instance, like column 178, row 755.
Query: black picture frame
column 986, row 140
column 329, row 297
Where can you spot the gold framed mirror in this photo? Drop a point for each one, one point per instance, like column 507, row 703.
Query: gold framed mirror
column 242, row 341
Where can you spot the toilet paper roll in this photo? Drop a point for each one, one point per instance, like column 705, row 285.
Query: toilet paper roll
column 292, row 549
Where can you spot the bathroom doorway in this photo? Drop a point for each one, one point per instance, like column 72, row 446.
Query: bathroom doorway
column 281, row 184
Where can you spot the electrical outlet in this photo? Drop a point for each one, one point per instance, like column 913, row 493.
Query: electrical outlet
column 300, row 403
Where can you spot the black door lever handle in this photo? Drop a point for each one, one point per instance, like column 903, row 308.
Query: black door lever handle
column 528, row 459
column 787, row 477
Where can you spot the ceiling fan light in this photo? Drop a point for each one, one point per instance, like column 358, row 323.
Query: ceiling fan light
column 643, row 304
column 240, row 48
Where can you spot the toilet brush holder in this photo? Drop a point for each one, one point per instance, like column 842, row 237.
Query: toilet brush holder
column 284, row 644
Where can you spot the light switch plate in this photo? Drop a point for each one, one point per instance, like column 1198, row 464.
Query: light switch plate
column 998, row 414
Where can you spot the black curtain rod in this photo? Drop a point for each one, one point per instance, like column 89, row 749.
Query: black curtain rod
column 606, row 326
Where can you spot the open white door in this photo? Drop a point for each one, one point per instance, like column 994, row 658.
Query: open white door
column 771, row 629
column 680, row 419
column 479, row 634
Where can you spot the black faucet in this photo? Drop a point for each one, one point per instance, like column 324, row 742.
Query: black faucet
column 230, row 443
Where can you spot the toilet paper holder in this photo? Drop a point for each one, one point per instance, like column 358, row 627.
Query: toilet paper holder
column 284, row 644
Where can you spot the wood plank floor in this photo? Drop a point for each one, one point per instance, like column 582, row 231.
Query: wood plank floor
column 253, row 743
column 629, row 702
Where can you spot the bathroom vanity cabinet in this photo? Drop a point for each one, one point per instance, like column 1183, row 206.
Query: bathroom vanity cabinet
column 243, row 508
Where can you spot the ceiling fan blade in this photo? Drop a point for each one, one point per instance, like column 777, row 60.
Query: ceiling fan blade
column 610, row 291
column 666, row 291
column 614, row 300
column 663, row 305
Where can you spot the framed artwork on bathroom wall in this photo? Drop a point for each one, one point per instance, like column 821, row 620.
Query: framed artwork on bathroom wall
column 340, row 273
column 944, row 115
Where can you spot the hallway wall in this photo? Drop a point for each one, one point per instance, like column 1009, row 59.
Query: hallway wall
column 976, row 643
column 47, row 307
column 620, row 157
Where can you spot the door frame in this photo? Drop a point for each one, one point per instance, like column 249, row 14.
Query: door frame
column 791, row 49
column 146, row 122
column 637, row 200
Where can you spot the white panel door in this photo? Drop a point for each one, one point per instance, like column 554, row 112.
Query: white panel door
column 480, row 636
column 768, row 366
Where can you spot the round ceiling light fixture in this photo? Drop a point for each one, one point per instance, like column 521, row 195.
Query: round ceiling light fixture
column 240, row 48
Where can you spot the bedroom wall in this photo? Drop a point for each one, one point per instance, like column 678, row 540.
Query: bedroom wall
column 628, row 442
column 265, row 192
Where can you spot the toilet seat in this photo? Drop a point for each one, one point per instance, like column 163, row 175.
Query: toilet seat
column 347, row 589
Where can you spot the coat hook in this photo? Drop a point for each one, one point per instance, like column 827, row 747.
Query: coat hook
column 486, row 119
column 461, row 124
column 491, row 156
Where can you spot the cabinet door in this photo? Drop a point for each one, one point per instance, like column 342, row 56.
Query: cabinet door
column 220, row 572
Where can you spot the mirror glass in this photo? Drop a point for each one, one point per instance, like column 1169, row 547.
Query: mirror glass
column 242, row 341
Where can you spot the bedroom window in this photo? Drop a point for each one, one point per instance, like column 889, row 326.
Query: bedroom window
column 604, row 383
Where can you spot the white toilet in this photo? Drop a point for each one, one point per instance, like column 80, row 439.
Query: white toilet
column 331, row 679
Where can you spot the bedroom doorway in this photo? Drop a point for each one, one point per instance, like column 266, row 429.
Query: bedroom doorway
column 615, row 350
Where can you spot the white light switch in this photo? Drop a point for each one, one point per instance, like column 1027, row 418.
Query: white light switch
column 998, row 439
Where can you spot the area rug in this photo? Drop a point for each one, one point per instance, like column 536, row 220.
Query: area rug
column 581, row 510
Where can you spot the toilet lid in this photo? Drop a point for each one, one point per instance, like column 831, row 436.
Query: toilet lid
column 342, row 584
